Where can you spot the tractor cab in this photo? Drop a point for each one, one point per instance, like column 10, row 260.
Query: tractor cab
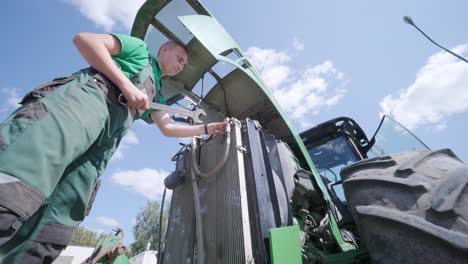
column 340, row 142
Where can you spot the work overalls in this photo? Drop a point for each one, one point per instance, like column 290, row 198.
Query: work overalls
column 52, row 151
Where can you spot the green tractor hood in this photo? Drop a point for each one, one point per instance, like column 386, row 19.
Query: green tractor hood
column 236, row 88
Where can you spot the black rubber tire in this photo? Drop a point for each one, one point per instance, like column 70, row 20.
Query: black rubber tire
column 411, row 207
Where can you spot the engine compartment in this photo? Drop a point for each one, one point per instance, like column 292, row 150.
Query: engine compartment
column 225, row 217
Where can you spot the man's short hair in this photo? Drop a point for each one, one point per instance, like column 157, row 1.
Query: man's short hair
column 172, row 44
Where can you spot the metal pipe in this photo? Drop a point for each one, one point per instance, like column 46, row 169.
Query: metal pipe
column 408, row 20
column 198, row 220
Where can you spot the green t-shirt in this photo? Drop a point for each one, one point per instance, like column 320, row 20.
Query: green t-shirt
column 133, row 58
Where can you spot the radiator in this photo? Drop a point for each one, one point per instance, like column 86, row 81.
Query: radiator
column 238, row 205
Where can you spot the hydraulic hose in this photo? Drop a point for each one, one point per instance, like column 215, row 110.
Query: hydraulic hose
column 198, row 219
column 160, row 226
column 218, row 166
column 196, row 172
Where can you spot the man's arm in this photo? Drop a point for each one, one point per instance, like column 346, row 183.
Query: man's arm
column 171, row 129
column 97, row 50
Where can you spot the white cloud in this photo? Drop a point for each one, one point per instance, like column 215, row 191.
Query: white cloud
column 298, row 44
column 300, row 93
column 275, row 75
column 107, row 221
column 332, row 101
column 271, row 64
column 12, row 99
column 439, row 91
column 109, row 13
column 265, row 58
column 129, row 139
column 147, row 182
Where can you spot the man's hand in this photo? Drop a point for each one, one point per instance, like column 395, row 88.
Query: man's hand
column 171, row 129
column 136, row 98
column 217, row 128
column 97, row 50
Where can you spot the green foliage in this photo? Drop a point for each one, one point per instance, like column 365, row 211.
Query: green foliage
column 85, row 237
column 146, row 229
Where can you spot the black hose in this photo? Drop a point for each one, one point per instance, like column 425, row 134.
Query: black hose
column 195, row 166
column 160, row 226
column 198, row 219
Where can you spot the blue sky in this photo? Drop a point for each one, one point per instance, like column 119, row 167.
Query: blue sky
column 321, row 58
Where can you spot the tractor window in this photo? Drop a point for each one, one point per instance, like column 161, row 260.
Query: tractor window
column 392, row 137
column 169, row 18
column 330, row 157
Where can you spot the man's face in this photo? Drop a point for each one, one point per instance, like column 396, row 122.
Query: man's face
column 172, row 60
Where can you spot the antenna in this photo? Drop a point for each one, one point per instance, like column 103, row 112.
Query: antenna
column 410, row 21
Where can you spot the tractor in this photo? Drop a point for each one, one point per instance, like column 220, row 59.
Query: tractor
column 263, row 193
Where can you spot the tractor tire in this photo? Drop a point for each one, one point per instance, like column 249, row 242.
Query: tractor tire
column 410, row 207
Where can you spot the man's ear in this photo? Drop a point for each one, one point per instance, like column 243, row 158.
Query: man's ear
column 164, row 49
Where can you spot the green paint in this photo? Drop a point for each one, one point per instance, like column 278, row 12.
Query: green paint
column 285, row 246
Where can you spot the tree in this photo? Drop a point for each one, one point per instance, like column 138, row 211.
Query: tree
column 84, row 237
column 146, row 229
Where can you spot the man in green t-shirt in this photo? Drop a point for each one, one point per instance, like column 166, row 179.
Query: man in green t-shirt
column 56, row 145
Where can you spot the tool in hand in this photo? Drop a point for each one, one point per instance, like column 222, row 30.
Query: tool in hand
column 195, row 115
